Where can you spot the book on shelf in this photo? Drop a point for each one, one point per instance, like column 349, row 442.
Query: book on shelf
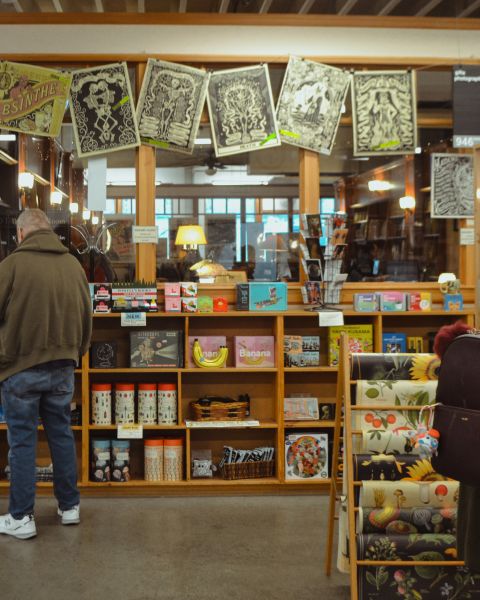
column 300, row 408
column 393, row 343
column 301, row 351
column 392, row 301
column 419, row 301
column 415, row 345
column 360, row 338
column 156, row 349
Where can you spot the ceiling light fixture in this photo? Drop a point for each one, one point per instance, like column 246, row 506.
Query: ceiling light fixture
column 379, row 185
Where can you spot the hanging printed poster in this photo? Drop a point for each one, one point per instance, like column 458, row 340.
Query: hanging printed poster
column 170, row 105
column 103, row 113
column 384, row 109
column 310, row 104
column 242, row 114
column 452, row 186
column 409, row 494
column 423, row 519
column 416, row 367
column 32, row 99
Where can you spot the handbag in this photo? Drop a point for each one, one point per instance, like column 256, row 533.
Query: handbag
column 459, row 446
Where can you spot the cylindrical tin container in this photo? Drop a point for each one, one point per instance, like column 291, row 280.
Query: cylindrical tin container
column 167, row 403
column 173, row 459
column 101, row 404
column 147, row 403
column 124, row 403
column 101, row 457
column 120, row 460
column 153, row 460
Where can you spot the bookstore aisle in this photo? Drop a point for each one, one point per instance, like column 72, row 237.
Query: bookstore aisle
column 240, row 548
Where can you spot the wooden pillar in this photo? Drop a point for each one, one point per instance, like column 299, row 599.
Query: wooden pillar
column 476, row 269
column 309, row 176
column 466, row 254
column 22, row 161
column 145, row 212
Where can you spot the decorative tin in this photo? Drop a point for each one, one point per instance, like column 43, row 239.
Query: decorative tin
column 167, row 404
column 124, row 403
column 153, row 460
column 147, row 403
column 173, row 459
column 101, row 456
column 120, row 460
column 101, row 404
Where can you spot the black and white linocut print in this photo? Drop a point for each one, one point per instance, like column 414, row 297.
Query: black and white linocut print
column 310, row 104
column 384, row 112
column 452, row 186
column 241, row 109
column 103, row 113
column 170, row 105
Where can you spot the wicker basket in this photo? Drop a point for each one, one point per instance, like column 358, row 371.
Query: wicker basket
column 220, row 411
column 248, row 470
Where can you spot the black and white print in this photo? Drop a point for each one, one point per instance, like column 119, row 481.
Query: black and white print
column 241, row 110
column 384, row 112
column 103, row 112
column 452, row 192
column 310, row 104
column 170, row 105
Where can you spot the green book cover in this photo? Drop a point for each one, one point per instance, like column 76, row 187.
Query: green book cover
column 360, row 340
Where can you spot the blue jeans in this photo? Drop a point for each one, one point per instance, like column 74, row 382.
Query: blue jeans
column 45, row 390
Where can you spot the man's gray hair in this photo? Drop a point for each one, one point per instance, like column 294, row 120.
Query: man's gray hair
column 32, row 219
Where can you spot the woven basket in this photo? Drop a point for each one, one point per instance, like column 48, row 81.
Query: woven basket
column 220, row 411
column 248, row 470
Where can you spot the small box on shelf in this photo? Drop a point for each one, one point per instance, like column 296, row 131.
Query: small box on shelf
column 306, row 456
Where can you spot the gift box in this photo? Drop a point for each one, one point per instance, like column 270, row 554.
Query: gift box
column 393, row 301
column 172, row 289
column 420, row 301
column 254, row 351
column 365, row 302
column 220, row 304
column 210, row 345
column 173, row 304
column 268, row 296
column 189, row 289
column 205, row 304
column 189, row 305
column 452, row 302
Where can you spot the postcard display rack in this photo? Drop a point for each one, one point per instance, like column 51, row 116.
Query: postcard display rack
column 266, row 387
column 397, row 532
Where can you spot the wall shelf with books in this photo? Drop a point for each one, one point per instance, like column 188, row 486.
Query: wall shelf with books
column 291, row 403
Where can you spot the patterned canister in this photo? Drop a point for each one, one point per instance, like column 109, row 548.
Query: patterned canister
column 101, row 404
column 167, row 403
column 173, row 459
column 101, row 456
column 120, row 460
column 147, row 403
column 153, row 460
column 124, row 403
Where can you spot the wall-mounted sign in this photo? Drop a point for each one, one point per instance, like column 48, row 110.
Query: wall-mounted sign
column 466, row 106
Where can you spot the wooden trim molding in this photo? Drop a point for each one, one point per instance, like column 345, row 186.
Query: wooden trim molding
column 236, row 19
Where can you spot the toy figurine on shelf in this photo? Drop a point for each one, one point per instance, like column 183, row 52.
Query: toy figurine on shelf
column 426, row 439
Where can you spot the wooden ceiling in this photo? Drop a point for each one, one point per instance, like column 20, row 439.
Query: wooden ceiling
column 401, row 8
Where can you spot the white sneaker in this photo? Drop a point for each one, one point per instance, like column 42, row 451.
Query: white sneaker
column 71, row 516
column 20, row 528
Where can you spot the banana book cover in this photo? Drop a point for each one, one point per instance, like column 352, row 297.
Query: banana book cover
column 210, row 345
column 360, row 339
column 256, row 352
column 156, row 349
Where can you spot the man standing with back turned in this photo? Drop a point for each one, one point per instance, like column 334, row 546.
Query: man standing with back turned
column 45, row 326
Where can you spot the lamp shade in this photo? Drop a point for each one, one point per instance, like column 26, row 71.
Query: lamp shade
column 190, row 235
column 446, row 277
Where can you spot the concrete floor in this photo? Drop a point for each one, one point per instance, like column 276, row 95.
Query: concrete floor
column 240, row 548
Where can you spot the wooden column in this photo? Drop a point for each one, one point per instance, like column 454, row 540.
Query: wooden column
column 145, row 213
column 476, row 265
column 309, row 175
column 466, row 254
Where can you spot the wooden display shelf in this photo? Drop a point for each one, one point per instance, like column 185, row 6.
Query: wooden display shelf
column 305, row 424
column 145, row 427
column 39, row 484
column 126, row 370
column 263, row 425
column 321, row 369
column 308, row 481
column 231, row 370
column 3, row 427
column 184, row 483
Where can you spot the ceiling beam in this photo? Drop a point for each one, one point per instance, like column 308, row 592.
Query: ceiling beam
column 305, row 7
column 182, row 6
column 99, row 6
column 223, row 6
column 347, row 7
column 469, row 10
column 429, row 6
column 389, row 6
column 265, row 6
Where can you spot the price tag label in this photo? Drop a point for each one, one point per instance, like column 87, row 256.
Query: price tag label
column 130, row 432
column 133, row 319
column 467, row 236
column 330, row 318
column 145, row 234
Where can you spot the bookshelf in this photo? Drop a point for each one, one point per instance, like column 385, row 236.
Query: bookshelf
column 266, row 387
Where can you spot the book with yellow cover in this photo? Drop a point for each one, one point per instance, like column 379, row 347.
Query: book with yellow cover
column 360, row 339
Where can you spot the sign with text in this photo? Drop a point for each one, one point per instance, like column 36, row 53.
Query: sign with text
column 130, row 432
column 330, row 318
column 133, row 319
column 467, row 236
column 466, row 106
column 145, row 235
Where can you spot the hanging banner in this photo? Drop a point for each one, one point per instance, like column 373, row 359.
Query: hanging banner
column 32, row 99
column 466, row 106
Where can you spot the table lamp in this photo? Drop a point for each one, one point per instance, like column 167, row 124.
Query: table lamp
column 190, row 237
